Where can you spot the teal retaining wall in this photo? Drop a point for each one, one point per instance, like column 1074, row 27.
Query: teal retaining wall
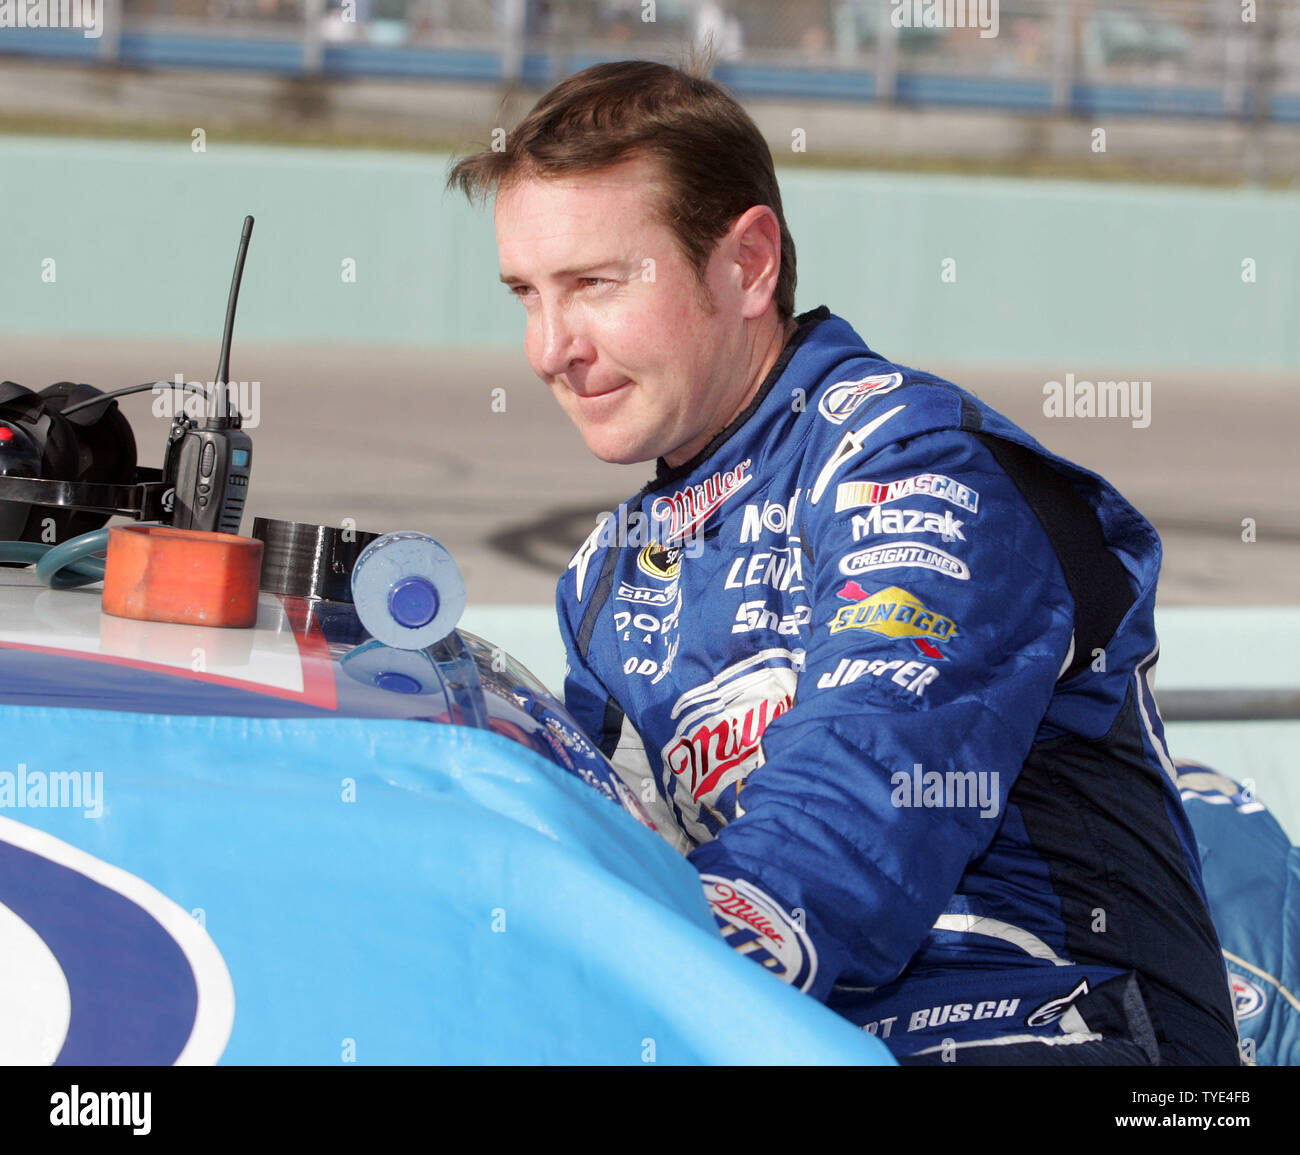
column 143, row 237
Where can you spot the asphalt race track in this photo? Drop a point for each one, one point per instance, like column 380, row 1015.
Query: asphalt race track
column 414, row 439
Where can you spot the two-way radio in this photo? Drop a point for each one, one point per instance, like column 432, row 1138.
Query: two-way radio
column 208, row 468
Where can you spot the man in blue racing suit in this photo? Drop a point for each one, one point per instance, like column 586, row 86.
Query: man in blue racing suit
column 873, row 659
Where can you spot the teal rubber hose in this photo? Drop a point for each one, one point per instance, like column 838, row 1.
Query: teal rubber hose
column 51, row 569
column 61, row 566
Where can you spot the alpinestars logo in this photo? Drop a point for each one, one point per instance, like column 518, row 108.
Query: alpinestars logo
column 582, row 559
column 688, row 509
column 1053, row 1009
column 718, row 741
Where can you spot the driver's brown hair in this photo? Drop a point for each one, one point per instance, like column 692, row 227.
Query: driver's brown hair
column 713, row 161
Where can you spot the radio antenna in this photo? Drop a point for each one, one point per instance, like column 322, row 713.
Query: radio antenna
column 222, row 413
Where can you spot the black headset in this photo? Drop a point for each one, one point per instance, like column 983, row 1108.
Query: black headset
column 92, row 445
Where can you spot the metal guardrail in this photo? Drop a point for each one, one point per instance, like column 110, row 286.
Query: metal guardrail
column 1193, row 58
column 1229, row 705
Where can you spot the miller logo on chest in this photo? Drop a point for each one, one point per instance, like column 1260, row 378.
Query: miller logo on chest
column 688, row 509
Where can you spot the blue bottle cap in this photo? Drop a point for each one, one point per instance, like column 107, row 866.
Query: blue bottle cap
column 413, row 602
column 398, row 683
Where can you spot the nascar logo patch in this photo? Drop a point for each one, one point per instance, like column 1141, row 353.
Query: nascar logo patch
column 857, row 494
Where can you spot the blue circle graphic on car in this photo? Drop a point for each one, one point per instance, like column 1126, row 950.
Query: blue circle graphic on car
column 99, row 968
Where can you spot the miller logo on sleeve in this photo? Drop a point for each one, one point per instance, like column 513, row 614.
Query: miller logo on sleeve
column 756, row 926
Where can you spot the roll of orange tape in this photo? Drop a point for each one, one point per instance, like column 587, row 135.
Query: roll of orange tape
column 158, row 574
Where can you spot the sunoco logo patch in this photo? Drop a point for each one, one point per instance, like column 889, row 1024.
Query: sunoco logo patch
column 892, row 613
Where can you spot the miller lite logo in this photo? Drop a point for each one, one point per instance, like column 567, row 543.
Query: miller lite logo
column 688, row 509
column 718, row 740
column 754, row 925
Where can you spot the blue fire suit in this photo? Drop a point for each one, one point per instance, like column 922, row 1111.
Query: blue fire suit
column 880, row 665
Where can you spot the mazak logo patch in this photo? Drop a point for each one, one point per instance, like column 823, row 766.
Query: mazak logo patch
column 688, row 509
column 841, row 401
column 754, row 925
column 857, row 494
column 887, row 521
column 905, row 554
column 891, row 613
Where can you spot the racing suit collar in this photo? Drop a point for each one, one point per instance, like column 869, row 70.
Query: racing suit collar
column 666, row 474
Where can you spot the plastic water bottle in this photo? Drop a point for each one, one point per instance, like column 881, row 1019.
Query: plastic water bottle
column 408, row 590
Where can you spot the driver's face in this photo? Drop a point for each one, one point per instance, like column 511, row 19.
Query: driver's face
column 616, row 322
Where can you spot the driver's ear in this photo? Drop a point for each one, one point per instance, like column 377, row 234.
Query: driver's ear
column 757, row 236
